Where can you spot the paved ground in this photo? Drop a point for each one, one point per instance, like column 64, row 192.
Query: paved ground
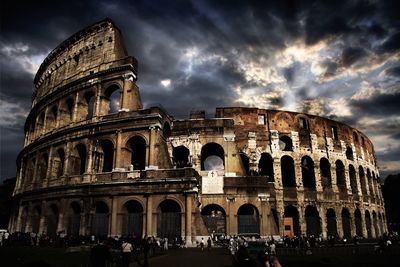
column 192, row 257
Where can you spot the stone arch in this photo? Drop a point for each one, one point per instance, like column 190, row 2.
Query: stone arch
column 74, row 219
column 132, row 218
column 368, row 224
column 29, row 170
column 169, row 219
column 361, row 174
column 89, row 104
column 346, row 223
column 106, row 158
column 181, row 156
column 353, row 179
column 340, row 173
column 42, row 166
column 40, row 123
column 358, row 222
column 69, row 111
column 113, row 96
column 100, row 220
column 245, row 162
column 313, row 221
column 292, row 215
column 349, row 153
column 266, row 166
column 212, row 157
column 375, row 224
column 52, row 221
column 307, row 172
column 78, row 160
column 214, row 217
column 137, row 146
column 285, row 143
column 24, row 219
column 51, row 117
column 325, row 170
column 35, row 219
column 248, row 219
column 288, row 172
column 58, row 163
column 331, row 222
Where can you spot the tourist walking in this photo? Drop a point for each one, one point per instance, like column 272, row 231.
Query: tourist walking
column 127, row 250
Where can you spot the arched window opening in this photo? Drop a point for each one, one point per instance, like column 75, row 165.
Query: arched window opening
column 212, row 157
column 30, row 168
column 325, row 169
column 40, row 123
column 70, row 108
column 52, row 118
column 346, row 223
column 52, row 221
column 312, row 221
column 285, row 143
column 35, row 219
column 291, row 221
column 58, row 163
column 138, row 152
column 340, row 174
column 357, row 222
column 113, row 95
column 331, row 222
column 368, row 224
column 214, row 218
column 307, row 172
column 248, row 220
column 362, row 180
column 166, row 130
column 169, row 219
column 245, row 162
column 79, row 160
column 349, row 153
column 355, row 138
column 132, row 218
column 100, row 220
column 181, row 157
column 288, row 173
column 353, row 179
column 24, row 220
column 42, row 167
column 74, row 219
column 266, row 167
column 90, row 100
column 108, row 155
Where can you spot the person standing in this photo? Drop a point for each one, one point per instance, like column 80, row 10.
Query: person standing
column 100, row 254
column 209, row 243
column 126, row 250
column 202, row 244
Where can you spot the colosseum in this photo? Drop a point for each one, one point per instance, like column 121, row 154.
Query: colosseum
column 95, row 162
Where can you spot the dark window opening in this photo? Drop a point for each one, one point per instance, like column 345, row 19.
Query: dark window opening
column 138, row 152
column 248, row 220
column 266, row 167
column 61, row 158
column 108, row 155
column 335, row 135
column 166, row 130
column 113, row 95
column 214, row 218
column 212, row 157
column 355, row 138
column 307, row 172
column 353, row 179
column 349, row 153
column 245, row 162
column 331, row 222
column 362, row 180
column 340, row 174
column 346, row 223
column 132, row 218
column 70, row 107
column 358, row 223
column 169, row 219
column 325, row 169
column 181, row 157
column 90, row 101
column 303, row 123
column 285, row 143
column 288, row 173
column 312, row 221
column 291, row 212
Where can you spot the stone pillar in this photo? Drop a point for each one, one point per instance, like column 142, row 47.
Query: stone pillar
column 130, row 94
column 302, row 220
column 42, row 223
column 84, row 216
column 114, row 217
column 317, row 172
column 188, row 220
column 333, row 178
column 67, row 154
column 339, row 223
column 352, row 223
column 363, row 223
column 60, row 225
column 231, row 222
column 44, row 130
column 89, row 164
column 265, row 217
column 299, row 178
column 152, row 146
column 118, row 151
column 59, row 111
column 34, row 180
column 149, row 216
column 323, row 220
column 97, row 104
column 347, row 179
column 49, row 166
column 76, row 105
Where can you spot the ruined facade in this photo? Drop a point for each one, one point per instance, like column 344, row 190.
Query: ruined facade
column 96, row 162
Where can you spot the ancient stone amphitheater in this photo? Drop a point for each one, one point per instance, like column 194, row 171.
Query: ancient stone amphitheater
column 96, row 163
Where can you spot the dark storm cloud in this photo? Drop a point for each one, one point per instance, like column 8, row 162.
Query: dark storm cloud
column 395, row 71
column 391, row 44
column 351, row 54
column 378, row 105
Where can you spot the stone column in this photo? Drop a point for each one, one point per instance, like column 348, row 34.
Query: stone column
column 97, row 104
column 339, row 223
column 89, row 164
column 323, row 220
column 188, row 219
column 44, row 130
column 347, row 178
column 49, row 166
column 66, row 158
column 34, row 180
column 84, row 216
column 118, row 151
column 130, row 94
column 42, row 223
column 317, row 172
column 333, row 178
column 152, row 145
column 363, row 223
column 58, row 119
column 231, row 223
column 76, row 105
column 149, row 216
column 302, row 220
column 114, row 217
column 265, row 215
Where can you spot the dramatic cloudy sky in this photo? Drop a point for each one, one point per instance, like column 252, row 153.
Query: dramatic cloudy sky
column 338, row 59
